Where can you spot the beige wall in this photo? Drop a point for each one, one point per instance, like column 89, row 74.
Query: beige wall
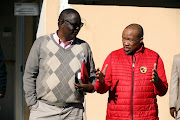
column 102, row 30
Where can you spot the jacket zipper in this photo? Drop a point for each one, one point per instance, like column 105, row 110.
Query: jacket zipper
column 133, row 65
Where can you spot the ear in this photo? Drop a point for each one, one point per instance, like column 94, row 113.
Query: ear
column 61, row 24
column 141, row 40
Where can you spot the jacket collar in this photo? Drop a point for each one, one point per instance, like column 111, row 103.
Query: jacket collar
column 141, row 50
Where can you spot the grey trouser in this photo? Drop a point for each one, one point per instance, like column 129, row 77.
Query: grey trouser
column 43, row 111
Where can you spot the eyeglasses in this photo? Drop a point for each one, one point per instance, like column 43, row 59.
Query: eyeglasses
column 75, row 25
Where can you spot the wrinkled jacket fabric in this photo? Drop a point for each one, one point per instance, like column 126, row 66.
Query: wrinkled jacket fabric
column 131, row 94
column 174, row 94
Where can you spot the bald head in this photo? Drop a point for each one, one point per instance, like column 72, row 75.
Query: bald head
column 132, row 38
column 138, row 28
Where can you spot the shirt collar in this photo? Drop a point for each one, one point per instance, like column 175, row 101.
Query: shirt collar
column 58, row 40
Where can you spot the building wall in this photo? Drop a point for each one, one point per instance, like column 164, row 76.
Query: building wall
column 103, row 29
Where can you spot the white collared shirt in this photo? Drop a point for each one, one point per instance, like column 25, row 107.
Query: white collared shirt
column 58, row 40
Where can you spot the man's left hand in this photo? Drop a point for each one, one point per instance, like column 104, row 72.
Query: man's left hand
column 173, row 112
column 155, row 77
column 84, row 87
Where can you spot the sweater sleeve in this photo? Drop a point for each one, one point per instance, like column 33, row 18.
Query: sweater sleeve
column 162, row 86
column 91, row 67
column 3, row 73
column 103, row 88
column 30, row 75
column 173, row 95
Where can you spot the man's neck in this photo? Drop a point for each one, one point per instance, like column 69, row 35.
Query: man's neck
column 138, row 49
column 62, row 38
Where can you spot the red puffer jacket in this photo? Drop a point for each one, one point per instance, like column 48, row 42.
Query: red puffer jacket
column 131, row 94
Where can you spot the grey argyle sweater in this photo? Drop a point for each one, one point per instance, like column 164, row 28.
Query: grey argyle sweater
column 51, row 71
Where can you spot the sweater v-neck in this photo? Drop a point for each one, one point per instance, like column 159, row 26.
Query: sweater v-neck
column 51, row 36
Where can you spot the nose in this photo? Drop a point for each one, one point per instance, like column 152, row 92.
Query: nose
column 125, row 42
column 77, row 27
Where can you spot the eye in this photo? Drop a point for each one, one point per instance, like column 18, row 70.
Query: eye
column 131, row 40
column 124, row 39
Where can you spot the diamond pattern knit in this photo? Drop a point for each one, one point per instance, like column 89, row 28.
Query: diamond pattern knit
column 51, row 71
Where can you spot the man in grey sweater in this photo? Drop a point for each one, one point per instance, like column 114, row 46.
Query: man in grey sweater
column 50, row 79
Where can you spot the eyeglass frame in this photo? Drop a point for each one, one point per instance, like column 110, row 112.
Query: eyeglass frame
column 75, row 25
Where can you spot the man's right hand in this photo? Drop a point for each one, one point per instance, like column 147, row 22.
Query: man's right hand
column 101, row 75
column 173, row 112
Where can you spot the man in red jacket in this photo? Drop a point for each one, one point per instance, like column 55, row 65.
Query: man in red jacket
column 133, row 75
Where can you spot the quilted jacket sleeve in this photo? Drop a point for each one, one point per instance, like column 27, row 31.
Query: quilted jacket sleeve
column 162, row 86
column 103, row 88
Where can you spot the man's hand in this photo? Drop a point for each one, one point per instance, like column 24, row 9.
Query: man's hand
column 155, row 77
column 173, row 112
column 101, row 75
column 1, row 95
column 84, row 87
